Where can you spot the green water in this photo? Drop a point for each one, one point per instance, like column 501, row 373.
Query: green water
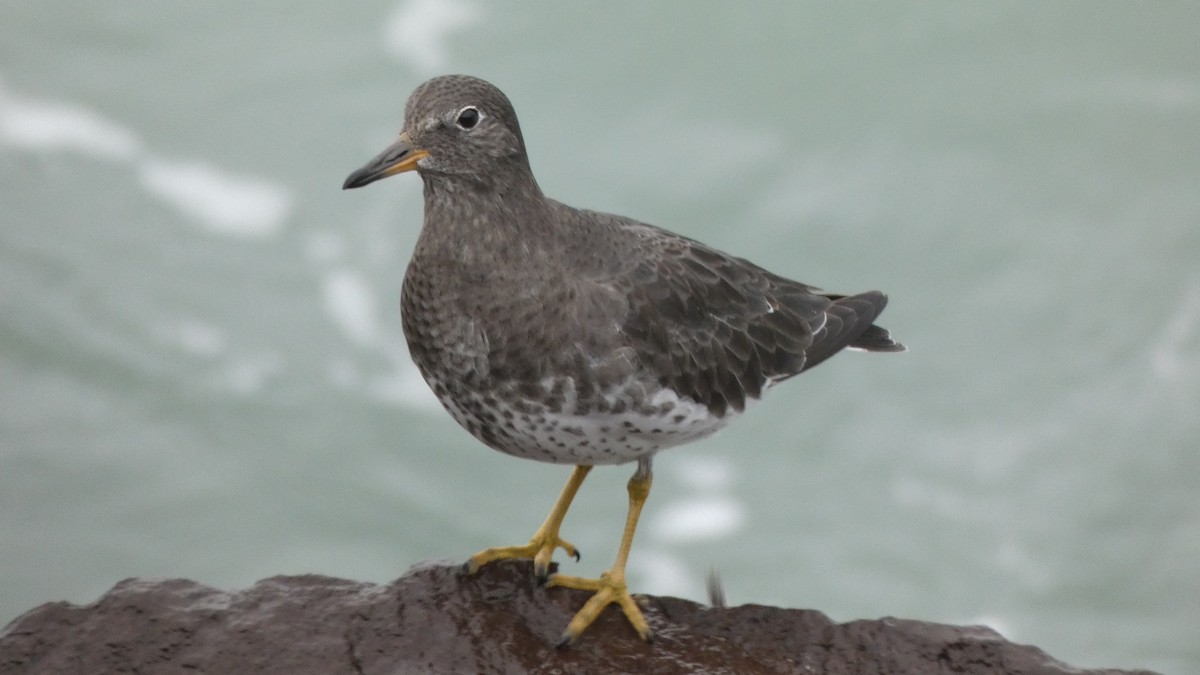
column 202, row 372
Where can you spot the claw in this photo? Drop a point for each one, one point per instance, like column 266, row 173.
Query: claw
column 608, row 589
column 540, row 549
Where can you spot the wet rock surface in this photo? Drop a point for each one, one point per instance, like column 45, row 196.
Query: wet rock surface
column 434, row 620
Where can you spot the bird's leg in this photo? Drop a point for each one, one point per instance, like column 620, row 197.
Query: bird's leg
column 610, row 587
column 541, row 547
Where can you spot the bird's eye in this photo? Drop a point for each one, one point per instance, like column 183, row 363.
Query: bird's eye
column 468, row 117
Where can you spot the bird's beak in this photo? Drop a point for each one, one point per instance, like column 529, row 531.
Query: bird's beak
column 397, row 158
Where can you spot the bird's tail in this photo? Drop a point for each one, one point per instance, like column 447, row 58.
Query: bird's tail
column 876, row 339
column 866, row 307
column 850, row 324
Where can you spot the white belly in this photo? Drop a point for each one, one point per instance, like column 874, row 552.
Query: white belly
column 568, row 437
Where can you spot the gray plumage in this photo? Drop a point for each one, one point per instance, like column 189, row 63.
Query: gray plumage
column 582, row 337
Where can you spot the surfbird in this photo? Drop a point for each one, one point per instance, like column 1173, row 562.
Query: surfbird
column 578, row 337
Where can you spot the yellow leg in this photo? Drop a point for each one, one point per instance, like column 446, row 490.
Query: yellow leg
column 541, row 547
column 610, row 587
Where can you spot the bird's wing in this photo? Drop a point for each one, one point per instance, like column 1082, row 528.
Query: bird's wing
column 720, row 329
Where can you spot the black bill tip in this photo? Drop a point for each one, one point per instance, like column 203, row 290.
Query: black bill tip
column 361, row 177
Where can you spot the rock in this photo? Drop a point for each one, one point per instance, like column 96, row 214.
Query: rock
column 434, row 620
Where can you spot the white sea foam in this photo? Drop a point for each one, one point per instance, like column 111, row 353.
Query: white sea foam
column 417, row 31
column 997, row 624
column 661, row 572
column 352, row 305
column 241, row 206
column 698, row 519
column 236, row 205
column 196, row 337
column 41, row 125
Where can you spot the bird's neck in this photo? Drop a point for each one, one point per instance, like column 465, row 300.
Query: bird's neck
column 471, row 221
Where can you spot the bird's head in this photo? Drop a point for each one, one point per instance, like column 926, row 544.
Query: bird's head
column 457, row 127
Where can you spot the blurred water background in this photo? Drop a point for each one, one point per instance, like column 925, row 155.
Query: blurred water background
column 202, row 372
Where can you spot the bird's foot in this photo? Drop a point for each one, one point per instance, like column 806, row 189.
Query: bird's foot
column 542, row 545
column 609, row 588
column 539, row 549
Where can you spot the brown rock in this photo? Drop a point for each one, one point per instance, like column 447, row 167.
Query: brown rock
column 433, row 620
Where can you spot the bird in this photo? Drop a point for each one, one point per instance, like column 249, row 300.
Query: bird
column 579, row 337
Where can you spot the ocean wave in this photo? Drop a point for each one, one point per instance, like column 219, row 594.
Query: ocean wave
column 39, row 125
column 226, row 203
column 698, row 519
column 235, row 205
